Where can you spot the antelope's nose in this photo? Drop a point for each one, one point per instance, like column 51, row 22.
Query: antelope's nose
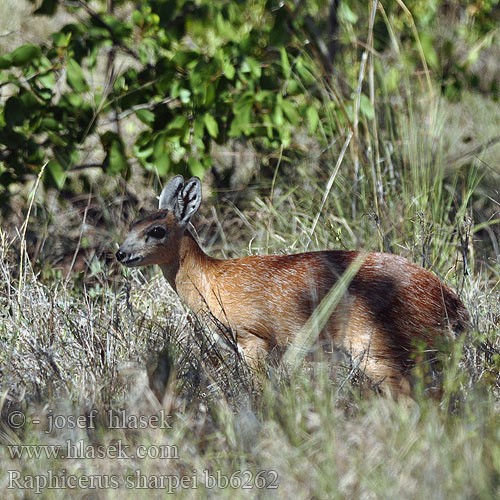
column 120, row 255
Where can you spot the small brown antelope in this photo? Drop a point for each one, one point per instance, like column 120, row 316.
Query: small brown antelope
column 388, row 306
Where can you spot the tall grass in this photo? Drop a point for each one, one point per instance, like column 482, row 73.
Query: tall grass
column 121, row 340
column 125, row 343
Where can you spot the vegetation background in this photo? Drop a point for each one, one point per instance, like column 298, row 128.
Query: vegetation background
column 315, row 125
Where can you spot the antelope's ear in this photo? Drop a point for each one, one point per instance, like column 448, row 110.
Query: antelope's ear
column 168, row 197
column 188, row 200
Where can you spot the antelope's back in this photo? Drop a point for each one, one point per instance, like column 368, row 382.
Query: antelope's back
column 273, row 296
column 406, row 298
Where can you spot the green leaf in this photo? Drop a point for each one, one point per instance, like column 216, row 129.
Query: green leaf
column 196, row 167
column 430, row 54
column 137, row 18
column 285, row 136
column 160, row 148
column 312, row 119
column 305, row 72
column 346, row 14
column 251, row 65
column 212, row 126
column 392, row 79
column 25, row 54
column 75, row 100
column 162, row 166
column 48, row 80
column 5, row 61
column 179, row 122
column 269, row 126
column 228, row 70
column 120, row 29
column 366, row 107
column 30, row 102
column 146, row 116
column 210, row 95
column 117, row 159
column 75, row 76
column 61, row 39
column 49, row 123
column 143, row 147
column 290, row 112
column 285, row 63
column 242, row 118
column 14, row 111
column 57, row 173
column 278, row 118
column 55, row 140
column 473, row 55
column 177, row 152
column 199, row 132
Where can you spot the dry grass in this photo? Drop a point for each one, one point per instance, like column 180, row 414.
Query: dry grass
column 81, row 336
column 113, row 341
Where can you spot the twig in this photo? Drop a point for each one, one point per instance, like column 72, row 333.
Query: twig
column 133, row 109
column 86, row 165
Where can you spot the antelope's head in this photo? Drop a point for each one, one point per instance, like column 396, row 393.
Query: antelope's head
column 156, row 239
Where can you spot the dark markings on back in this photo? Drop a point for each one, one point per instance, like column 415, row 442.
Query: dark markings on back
column 380, row 293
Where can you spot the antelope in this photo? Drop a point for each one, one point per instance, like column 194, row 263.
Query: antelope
column 388, row 305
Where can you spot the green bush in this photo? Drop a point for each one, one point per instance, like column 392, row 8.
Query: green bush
column 191, row 73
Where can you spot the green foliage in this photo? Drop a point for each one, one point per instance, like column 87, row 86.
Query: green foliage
column 191, row 73
column 159, row 81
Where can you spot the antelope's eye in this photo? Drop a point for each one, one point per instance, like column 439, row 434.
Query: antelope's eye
column 157, row 232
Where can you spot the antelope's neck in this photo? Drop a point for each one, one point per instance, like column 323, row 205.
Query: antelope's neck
column 189, row 275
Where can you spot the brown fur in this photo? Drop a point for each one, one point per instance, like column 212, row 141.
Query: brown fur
column 390, row 304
